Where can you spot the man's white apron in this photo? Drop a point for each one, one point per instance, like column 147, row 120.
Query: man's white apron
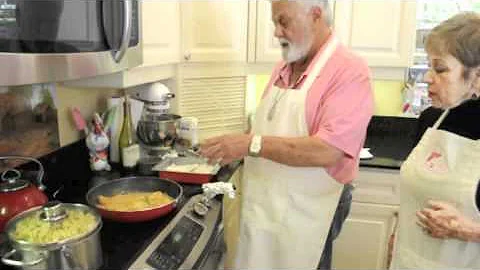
column 444, row 167
column 286, row 212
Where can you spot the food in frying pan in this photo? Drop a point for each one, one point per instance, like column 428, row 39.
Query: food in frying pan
column 134, row 201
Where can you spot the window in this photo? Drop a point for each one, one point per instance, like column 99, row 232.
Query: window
column 431, row 13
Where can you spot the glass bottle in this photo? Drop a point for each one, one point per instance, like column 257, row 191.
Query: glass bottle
column 127, row 145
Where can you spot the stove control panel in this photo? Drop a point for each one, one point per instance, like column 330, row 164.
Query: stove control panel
column 184, row 241
column 178, row 244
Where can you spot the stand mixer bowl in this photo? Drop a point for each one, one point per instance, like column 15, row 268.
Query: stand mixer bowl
column 159, row 133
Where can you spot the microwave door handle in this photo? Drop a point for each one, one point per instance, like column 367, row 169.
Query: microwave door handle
column 127, row 31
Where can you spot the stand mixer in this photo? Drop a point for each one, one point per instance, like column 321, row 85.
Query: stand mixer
column 156, row 128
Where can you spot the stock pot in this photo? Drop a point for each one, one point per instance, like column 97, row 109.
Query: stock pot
column 55, row 236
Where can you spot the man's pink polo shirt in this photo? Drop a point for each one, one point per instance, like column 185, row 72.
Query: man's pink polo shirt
column 339, row 105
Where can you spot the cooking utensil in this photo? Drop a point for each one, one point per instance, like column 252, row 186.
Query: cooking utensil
column 135, row 184
column 79, row 120
column 81, row 250
column 18, row 195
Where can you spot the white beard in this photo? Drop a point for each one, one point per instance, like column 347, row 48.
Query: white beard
column 294, row 52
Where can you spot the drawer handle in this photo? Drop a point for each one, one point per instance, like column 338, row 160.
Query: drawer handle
column 391, row 239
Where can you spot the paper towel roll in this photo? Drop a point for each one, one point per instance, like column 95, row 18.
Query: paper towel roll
column 116, row 127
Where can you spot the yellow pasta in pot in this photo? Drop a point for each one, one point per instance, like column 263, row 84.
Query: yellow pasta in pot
column 34, row 230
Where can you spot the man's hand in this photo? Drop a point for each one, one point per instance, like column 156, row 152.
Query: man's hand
column 226, row 149
column 442, row 220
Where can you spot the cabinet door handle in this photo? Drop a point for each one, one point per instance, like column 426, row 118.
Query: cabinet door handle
column 187, row 56
column 391, row 239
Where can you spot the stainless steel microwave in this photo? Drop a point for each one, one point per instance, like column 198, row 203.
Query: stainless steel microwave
column 58, row 40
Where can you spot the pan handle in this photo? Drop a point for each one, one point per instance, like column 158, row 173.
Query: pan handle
column 6, row 259
column 196, row 190
column 193, row 191
column 69, row 256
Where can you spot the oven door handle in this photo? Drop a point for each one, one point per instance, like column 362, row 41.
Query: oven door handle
column 127, row 31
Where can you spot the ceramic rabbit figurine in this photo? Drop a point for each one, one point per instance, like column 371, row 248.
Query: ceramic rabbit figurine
column 97, row 142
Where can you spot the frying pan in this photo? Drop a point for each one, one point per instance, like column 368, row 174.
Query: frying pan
column 135, row 184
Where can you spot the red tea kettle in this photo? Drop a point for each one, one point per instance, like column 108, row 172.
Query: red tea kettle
column 18, row 195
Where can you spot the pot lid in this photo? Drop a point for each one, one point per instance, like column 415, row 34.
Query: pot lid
column 55, row 223
column 11, row 181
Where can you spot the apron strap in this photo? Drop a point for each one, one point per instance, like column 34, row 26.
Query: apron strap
column 329, row 50
column 441, row 118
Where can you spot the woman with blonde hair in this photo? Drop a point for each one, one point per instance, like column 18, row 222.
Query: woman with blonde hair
column 439, row 222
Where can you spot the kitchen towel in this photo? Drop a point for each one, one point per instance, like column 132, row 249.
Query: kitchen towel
column 116, row 127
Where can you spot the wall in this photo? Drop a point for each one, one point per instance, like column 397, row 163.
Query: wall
column 87, row 101
column 387, row 94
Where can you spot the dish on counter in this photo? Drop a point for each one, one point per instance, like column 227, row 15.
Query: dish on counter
column 365, row 154
column 191, row 168
column 134, row 201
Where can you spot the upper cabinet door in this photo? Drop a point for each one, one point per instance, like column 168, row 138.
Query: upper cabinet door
column 214, row 31
column 267, row 47
column 161, row 32
column 383, row 32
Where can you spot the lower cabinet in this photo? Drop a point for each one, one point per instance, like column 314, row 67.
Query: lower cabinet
column 364, row 240
column 231, row 219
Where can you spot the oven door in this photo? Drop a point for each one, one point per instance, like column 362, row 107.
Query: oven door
column 58, row 40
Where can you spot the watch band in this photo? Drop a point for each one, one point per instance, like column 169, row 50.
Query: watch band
column 255, row 146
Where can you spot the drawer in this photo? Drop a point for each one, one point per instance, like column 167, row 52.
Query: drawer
column 374, row 185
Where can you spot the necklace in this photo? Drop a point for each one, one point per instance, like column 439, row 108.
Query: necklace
column 276, row 99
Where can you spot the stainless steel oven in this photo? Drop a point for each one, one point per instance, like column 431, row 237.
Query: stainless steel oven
column 57, row 40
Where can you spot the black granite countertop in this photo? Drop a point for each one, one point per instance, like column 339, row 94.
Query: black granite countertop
column 390, row 140
column 381, row 163
column 67, row 179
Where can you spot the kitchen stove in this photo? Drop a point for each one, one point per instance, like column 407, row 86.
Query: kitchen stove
column 186, row 240
column 67, row 180
column 124, row 243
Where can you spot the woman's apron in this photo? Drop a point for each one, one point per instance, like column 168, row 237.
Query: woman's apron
column 286, row 211
column 444, row 167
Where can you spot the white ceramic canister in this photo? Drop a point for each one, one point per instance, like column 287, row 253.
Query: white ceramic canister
column 188, row 130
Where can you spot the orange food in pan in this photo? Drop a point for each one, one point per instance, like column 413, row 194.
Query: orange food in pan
column 134, row 201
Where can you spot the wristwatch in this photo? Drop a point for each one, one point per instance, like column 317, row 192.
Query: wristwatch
column 255, row 146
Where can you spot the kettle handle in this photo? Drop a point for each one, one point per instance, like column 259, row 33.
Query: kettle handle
column 40, row 173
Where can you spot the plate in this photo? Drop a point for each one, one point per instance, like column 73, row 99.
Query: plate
column 365, row 154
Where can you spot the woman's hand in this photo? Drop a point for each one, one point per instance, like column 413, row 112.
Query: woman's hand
column 226, row 149
column 442, row 220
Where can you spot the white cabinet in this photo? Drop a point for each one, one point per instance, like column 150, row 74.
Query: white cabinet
column 375, row 185
column 161, row 32
column 214, row 31
column 383, row 32
column 231, row 219
column 363, row 241
column 267, row 48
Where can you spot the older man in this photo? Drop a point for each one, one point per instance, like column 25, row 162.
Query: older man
column 304, row 144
